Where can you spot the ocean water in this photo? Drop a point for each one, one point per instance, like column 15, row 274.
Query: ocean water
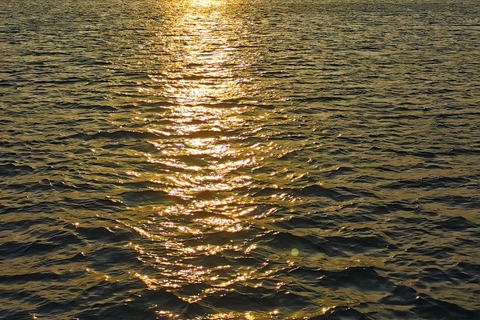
column 239, row 159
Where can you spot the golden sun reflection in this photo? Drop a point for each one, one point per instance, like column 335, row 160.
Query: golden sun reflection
column 202, row 157
column 204, row 3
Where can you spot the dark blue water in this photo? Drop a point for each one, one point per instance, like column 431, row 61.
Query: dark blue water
column 249, row 159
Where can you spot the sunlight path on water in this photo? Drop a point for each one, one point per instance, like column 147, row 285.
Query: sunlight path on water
column 212, row 116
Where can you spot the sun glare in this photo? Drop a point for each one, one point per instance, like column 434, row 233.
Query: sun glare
column 205, row 3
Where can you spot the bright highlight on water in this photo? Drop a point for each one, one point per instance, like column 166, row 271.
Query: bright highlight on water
column 239, row 159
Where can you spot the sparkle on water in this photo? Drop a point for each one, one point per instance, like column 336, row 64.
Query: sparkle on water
column 239, row 159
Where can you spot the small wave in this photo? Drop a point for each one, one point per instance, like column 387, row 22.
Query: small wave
column 13, row 249
column 11, row 170
column 457, row 201
column 119, row 135
column 429, row 183
column 428, row 307
column 341, row 313
column 149, row 196
column 339, row 194
column 90, row 107
column 321, row 99
column 455, row 223
column 104, row 234
column 336, row 193
column 362, row 278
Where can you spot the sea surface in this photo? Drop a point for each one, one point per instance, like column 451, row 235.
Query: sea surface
column 239, row 159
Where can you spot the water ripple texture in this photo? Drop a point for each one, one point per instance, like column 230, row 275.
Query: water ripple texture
column 239, row 159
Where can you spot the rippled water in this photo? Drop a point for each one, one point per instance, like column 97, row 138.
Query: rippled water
column 239, row 159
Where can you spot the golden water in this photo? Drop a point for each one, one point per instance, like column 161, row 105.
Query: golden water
column 250, row 159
